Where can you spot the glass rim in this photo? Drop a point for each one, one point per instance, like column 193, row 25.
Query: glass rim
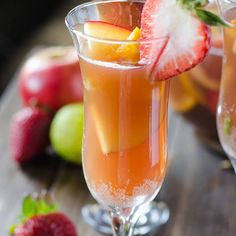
column 104, row 40
column 230, row 5
column 230, row 1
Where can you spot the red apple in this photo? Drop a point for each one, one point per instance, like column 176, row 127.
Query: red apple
column 51, row 77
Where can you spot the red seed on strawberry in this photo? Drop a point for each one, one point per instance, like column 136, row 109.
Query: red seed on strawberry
column 188, row 38
column 29, row 131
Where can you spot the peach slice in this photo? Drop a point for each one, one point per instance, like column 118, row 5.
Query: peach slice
column 112, row 51
column 131, row 52
column 103, row 30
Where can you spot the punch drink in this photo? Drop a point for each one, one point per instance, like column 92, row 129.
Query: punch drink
column 125, row 138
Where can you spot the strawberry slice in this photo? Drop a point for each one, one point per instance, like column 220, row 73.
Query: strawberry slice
column 188, row 38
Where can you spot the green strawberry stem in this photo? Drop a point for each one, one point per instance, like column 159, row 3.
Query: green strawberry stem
column 196, row 7
column 39, row 204
column 192, row 4
column 210, row 18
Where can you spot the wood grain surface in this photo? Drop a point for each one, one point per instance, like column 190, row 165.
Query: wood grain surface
column 199, row 193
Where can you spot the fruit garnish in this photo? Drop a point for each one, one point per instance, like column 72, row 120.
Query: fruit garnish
column 111, row 139
column 107, row 116
column 115, row 51
column 206, row 16
column 130, row 52
column 29, row 129
column 40, row 216
column 135, row 35
column 103, row 30
column 189, row 39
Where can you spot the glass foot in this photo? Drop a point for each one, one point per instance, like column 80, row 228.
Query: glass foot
column 155, row 214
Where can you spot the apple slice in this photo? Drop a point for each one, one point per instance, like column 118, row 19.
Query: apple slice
column 119, row 133
column 112, row 51
column 103, row 30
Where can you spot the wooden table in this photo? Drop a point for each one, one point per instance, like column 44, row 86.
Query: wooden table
column 201, row 196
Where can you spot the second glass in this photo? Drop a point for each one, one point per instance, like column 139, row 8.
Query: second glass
column 226, row 113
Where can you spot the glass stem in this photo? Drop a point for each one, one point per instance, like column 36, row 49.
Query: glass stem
column 123, row 222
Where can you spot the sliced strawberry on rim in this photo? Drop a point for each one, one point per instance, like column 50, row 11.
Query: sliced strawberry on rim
column 188, row 38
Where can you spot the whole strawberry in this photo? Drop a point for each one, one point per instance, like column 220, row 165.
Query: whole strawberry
column 40, row 217
column 29, row 133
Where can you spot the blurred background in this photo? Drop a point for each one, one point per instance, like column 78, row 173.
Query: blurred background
column 25, row 24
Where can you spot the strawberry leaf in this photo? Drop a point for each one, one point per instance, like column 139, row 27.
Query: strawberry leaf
column 31, row 206
column 196, row 7
column 210, row 18
column 12, row 229
column 192, row 4
column 44, row 207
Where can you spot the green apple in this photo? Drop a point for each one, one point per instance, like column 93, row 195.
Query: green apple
column 66, row 132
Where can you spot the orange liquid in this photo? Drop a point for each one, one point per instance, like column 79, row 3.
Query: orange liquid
column 125, row 135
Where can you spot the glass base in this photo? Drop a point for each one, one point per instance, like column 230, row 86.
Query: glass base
column 155, row 214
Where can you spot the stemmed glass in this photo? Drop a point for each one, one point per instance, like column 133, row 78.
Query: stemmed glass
column 226, row 113
column 126, row 114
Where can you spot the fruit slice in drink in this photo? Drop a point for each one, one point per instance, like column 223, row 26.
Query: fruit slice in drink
column 99, row 50
column 105, row 112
